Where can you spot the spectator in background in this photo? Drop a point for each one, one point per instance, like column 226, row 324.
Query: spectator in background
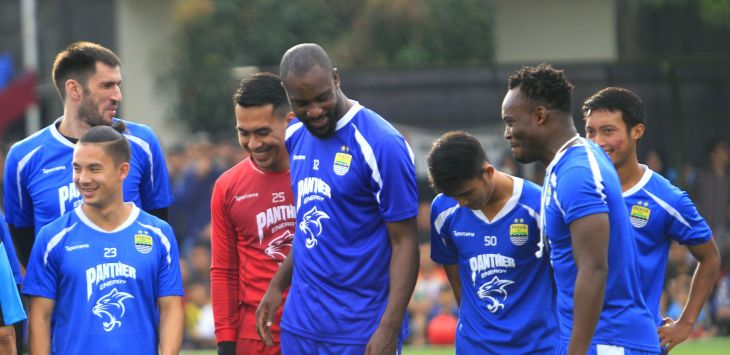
column 654, row 160
column 192, row 189
column 712, row 191
column 425, row 298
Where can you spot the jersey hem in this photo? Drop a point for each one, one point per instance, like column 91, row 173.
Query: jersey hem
column 323, row 337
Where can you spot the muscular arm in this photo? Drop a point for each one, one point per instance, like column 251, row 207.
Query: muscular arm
column 708, row 257
column 452, row 273
column 171, row 324
column 272, row 299
column 23, row 239
column 404, row 263
column 589, row 237
column 39, row 325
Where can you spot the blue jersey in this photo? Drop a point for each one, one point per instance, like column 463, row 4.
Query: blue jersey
column 105, row 285
column 10, row 251
column 346, row 188
column 10, row 304
column 660, row 213
column 507, row 290
column 39, row 176
column 582, row 181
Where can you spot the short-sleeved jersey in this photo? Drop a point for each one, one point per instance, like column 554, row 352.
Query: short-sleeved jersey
column 252, row 221
column 507, row 289
column 105, row 285
column 10, row 305
column 10, row 251
column 39, row 176
column 660, row 213
column 582, row 181
column 346, row 188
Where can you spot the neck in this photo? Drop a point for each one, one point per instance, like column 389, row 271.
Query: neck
column 343, row 105
column 503, row 187
column 556, row 141
column 71, row 125
column 108, row 217
column 630, row 172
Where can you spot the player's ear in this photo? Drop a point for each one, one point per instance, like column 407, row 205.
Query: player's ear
column 336, row 77
column 540, row 114
column 289, row 116
column 638, row 131
column 488, row 170
column 74, row 89
column 123, row 170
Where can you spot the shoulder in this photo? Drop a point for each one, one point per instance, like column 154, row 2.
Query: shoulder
column 59, row 228
column 294, row 129
column 140, row 135
column 235, row 173
column 442, row 208
column 374, row 128
column 30, row 144
column 530, row 194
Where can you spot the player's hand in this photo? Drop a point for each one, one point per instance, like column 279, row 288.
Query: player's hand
column 383, row 342
column 227, row 348
column 672, row 332
column 265, row 315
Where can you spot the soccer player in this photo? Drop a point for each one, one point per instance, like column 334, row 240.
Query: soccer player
column 38, row 175
column 106, row 273
column 659, row 211
column 17, row 276
column 592, row 249
column 355, row 252
column 11, row 308
column 253, row 216
column 484, row 231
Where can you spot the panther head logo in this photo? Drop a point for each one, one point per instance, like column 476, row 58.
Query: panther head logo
column 312, row 226
column 493, row 290
column 110, row 307
column 279, row 247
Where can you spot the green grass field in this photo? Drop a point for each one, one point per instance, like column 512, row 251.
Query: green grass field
column 710, row 346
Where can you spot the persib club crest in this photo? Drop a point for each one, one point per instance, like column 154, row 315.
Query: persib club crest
column 518, row 232
column 143, row 242
column 640, row 214
column 342, row 161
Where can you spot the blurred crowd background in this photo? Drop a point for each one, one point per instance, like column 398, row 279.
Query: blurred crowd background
column 428, row 66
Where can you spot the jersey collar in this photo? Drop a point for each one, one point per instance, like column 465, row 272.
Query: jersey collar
column 507, row 208
column 642, row 182
column 85, row 219
column 349, row 115
column 57, row 135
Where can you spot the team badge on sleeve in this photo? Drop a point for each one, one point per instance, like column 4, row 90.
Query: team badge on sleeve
column 640, row 214
column 518, row 232
column 143, row 242
column 342, row 161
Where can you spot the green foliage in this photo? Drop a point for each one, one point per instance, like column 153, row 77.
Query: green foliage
column 214, row 36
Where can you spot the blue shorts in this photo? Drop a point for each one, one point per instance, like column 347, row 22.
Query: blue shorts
column 292, row 344
column 608, row 350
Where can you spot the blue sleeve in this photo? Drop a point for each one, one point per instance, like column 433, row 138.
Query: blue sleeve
column 41, row 278
column 169, row 282
column 155, row 191
column 12, row 307
column 687, row 227
column 443, row 250
column 578, row 194
column 398, row 194
column 16, row 194
column 10, row 250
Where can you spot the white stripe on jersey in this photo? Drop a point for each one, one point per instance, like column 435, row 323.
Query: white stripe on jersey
column 291, row 129
column 21, row 164
column 163, row 238
column 54, row 241
column 367, row 153
column 441, row 218
column 595, row 170
column 349, row 115
column 673, row 212
column 146, row 147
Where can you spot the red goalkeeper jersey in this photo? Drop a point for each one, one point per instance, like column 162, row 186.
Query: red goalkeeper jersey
column 252, row 221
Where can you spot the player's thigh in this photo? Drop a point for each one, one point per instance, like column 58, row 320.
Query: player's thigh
column 292, row 344
column 256, row 347
column 607, row 350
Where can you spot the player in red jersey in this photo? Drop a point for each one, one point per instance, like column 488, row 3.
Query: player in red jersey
column 253, row 216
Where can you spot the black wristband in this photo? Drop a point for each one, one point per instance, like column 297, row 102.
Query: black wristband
column 227, row 348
